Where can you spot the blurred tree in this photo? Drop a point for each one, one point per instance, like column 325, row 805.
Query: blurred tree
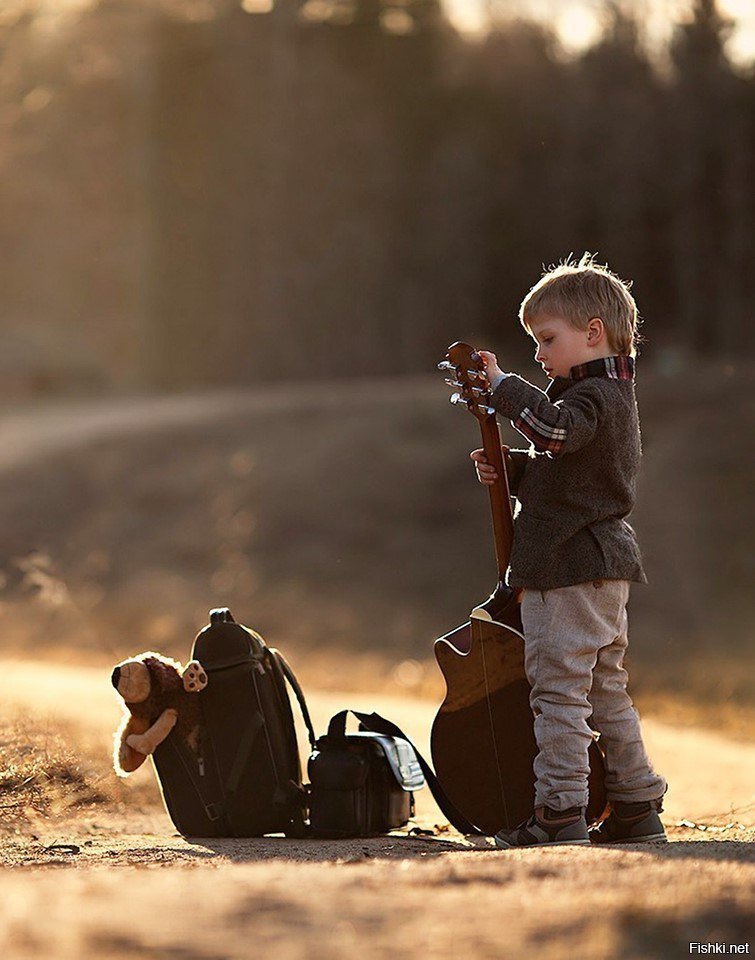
column 711, row 202
column 223, row 191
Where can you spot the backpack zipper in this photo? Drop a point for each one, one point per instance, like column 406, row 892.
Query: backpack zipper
column 201, row 746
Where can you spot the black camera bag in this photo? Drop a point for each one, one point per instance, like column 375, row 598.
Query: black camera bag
column 362, row 784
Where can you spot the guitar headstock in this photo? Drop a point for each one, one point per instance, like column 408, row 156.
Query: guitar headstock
column 472, row 386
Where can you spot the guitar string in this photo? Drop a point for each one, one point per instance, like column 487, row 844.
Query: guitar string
column 492, row 731
column 490, row 714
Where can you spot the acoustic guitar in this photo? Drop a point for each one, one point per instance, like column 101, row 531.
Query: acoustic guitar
column 482, row 740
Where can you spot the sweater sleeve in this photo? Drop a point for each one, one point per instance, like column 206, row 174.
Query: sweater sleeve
column 553, row 428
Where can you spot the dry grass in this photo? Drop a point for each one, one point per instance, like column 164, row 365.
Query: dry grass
column 43, row 777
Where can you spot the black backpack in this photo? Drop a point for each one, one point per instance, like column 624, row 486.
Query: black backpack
column 245, row 778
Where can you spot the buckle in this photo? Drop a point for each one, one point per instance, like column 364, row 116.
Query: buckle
column 214, row 811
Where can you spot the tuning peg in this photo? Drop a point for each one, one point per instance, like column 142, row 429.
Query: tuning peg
column 468, row 386
column 457, row 399
column 446, row 365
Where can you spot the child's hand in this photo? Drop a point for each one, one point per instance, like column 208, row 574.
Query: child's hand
column 485, row 472
column 492, row 370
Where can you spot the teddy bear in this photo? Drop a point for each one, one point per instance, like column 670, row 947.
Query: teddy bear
column 159, row 695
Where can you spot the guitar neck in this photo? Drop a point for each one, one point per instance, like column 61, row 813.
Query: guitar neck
column 500, row 497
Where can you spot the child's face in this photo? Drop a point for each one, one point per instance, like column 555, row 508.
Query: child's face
column 560, row 346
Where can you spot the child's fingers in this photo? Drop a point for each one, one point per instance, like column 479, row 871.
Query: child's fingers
column 482, row 466
column 490, row 360
column 487, row 474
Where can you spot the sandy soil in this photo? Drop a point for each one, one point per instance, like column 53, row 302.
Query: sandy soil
column 98, row 885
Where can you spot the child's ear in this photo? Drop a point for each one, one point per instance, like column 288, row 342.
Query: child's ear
column 595, row 331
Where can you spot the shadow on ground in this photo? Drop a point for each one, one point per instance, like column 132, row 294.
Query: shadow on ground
column 395, row 847
column 401, row 847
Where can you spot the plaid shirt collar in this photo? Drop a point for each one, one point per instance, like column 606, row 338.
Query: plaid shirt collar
column 615, row 368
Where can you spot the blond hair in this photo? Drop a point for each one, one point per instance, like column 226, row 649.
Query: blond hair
column 579, row 291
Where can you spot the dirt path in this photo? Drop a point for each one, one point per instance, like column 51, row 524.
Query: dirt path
column 32, row 433
column 96, row 886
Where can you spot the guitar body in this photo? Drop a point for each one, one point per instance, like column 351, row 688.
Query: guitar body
column 483, row 740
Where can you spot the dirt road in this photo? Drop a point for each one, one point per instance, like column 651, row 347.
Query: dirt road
column 29, row 434
column 115, row 884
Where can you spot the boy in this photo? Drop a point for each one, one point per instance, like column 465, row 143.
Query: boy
column 574, row 554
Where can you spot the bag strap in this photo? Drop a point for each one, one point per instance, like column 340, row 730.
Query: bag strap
column 214, row 809
column 289, row 674
column 377, row 724
column 337, row 725
column 244, row 750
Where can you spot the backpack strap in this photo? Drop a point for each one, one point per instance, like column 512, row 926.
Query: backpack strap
column 247, row 740
column 214, row 809
column 289, row 674
column 377, row 724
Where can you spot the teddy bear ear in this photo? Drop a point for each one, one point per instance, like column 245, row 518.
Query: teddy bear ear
column 194, row 677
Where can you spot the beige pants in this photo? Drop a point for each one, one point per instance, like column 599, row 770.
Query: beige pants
column 575, row 641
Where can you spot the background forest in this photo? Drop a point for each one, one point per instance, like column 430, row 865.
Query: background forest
column 213, row 192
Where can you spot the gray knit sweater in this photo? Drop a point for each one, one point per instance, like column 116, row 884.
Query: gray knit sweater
column 576, row 483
